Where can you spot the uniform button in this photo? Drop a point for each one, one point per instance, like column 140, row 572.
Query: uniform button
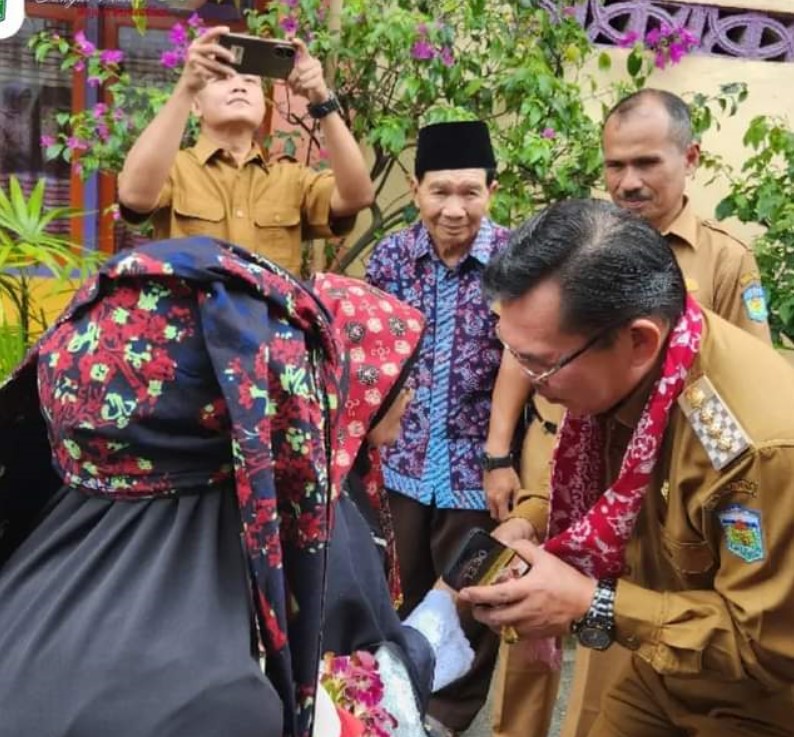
column 239, row 214
column 277, row 218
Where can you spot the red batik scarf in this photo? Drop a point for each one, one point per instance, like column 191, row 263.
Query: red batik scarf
column 589, row 529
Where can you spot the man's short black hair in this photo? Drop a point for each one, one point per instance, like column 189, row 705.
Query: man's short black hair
column 611, row 266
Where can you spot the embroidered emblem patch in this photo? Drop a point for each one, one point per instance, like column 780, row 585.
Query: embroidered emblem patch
column 755, row 302
column 722, row 436
column 743, row 534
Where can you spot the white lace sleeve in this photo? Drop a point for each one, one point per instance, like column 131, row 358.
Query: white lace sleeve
column 437, row 619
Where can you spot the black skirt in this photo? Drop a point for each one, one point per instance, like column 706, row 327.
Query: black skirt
column 132, row 619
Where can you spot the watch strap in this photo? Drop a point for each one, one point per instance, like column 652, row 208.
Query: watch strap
column 491, row 463
column 601, row 614
column 319, row 110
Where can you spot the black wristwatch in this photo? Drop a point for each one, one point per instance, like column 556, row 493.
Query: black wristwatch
column 491, row 463
column 319, row 110
column 596, row 629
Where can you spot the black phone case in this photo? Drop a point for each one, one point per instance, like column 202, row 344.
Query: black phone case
column 481, row 559
column 260, row 56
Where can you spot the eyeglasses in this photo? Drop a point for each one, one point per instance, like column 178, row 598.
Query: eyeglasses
column 539, row 378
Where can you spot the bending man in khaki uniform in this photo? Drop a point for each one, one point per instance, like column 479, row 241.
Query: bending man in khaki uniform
column 223, row 186
column 648, row 154
column 671, row 529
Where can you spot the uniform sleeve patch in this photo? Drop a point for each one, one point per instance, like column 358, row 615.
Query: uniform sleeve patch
column 743, row 534
column 755, row 302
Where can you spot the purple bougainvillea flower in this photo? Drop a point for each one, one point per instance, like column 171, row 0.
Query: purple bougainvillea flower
column 676, row 52
column 99, row 109
column 47, row 141
column 660, row 59
column 289, row 24
column 83, row 44
column 447, row 57
column 73, row 143
column 94, row 81
column 111, row 56
column 422, row 50
column 177, row 36
column 195, row 21
column 171, row 59
column 548, row 133
column 290, row 3
column 653, row 37
column 687, row 38
column 629, row 40
column 79, row 66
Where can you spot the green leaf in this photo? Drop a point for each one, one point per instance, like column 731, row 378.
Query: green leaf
column 290, row 148
column 756, row 132
column 604, row 61
column 634, row 63
column 724, row 209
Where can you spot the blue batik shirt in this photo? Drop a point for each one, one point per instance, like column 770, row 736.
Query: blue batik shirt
column 436, row 460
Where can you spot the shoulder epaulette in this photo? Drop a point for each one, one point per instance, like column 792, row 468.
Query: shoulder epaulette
column 721, row 434
column 720, row 228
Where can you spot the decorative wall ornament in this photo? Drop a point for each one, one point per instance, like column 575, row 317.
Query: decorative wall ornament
column 732, row 31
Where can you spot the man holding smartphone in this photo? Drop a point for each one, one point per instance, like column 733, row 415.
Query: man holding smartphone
column 223, row 186
column 671, row 489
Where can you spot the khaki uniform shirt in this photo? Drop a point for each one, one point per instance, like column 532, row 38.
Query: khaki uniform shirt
column 708, row 588
column 267, row 208
column 721, row 273
column 709, row 584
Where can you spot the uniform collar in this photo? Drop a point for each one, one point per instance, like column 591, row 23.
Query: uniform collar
column 684, row 227
column 630, row 409
column 480, row 249
column 206, row 148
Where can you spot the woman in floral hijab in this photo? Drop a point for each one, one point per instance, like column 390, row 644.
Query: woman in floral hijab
column 165, row 503
column 378, row 339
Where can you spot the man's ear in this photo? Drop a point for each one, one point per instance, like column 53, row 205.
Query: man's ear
column 692, row 157
column 414, row 185
column 647, row 336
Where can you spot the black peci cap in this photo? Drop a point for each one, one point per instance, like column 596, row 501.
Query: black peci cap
column 461, row 145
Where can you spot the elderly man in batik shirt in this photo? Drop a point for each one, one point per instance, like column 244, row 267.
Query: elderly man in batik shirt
column 434, row 472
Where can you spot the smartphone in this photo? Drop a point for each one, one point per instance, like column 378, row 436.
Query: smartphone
column 481, row 560
column 264, row 57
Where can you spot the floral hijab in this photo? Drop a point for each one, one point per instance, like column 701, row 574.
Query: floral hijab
column 378, row 337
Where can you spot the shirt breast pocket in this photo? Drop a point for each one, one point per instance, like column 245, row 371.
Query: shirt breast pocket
column 278, row 235
column 198, row 216
column 692, row 559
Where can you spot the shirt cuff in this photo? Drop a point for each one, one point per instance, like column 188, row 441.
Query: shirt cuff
column 535, row 510
column 639, row 614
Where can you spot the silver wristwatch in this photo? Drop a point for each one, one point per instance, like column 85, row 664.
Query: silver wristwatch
column 596, row 629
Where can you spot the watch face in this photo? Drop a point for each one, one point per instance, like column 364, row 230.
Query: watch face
column 595, row 638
